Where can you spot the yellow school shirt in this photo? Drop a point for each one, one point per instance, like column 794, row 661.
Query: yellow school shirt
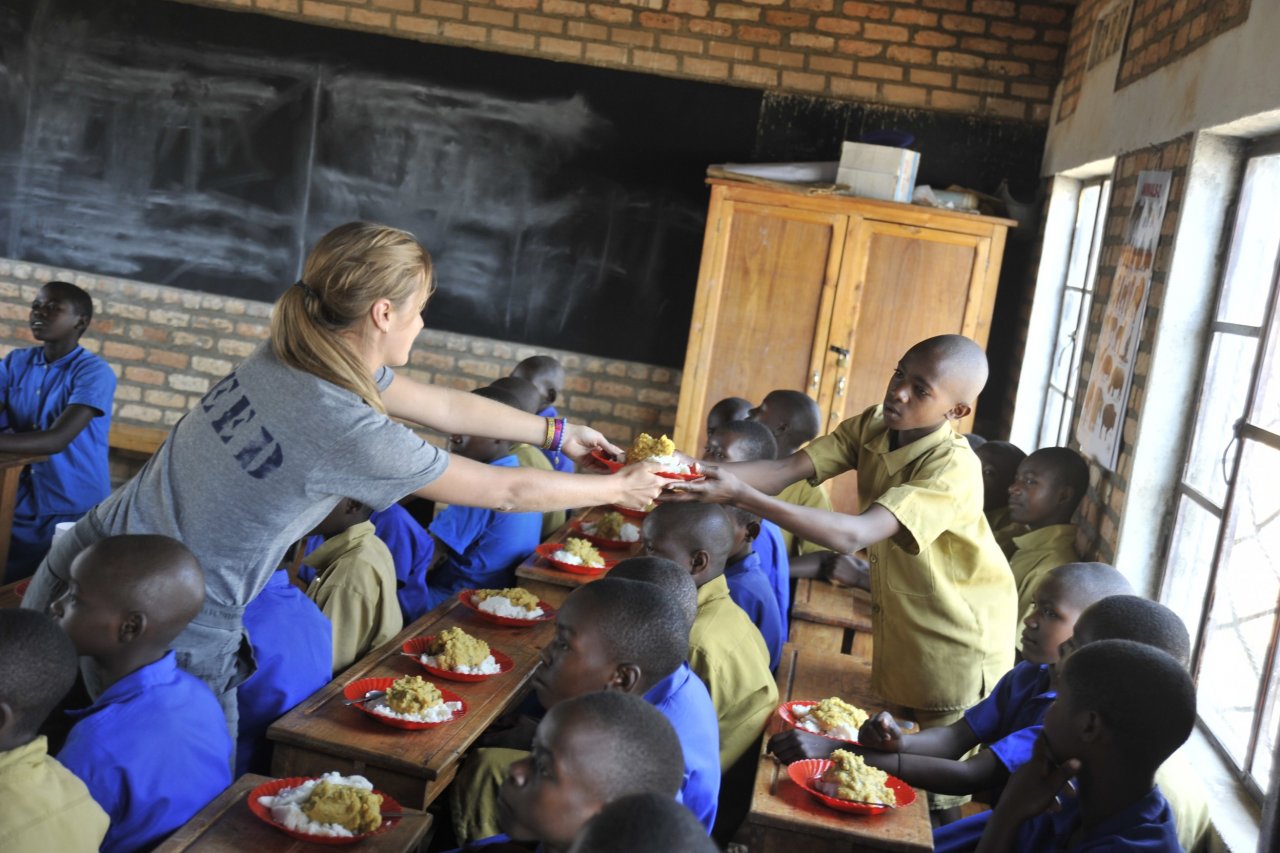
column 531, row 457
column 943, row 599
column 803, row 493
column 1037, row 553
column 356, row 589
column 44, row 807
column 1188, row 800
column 729, row 655
column 1005, row 528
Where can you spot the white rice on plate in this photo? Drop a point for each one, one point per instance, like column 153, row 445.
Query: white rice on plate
column 628, row 532
column 500, row 605
column 286, row 806
column 801, row 713
column 671, row 464
column 435, row 714
column 488, row 666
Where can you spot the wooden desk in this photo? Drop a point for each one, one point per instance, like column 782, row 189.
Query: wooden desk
column 9, row 593
column 831, row 618
column 226, row 824
column 11, row 465
column 783, row 816
column 414, row 766
column 553, row 585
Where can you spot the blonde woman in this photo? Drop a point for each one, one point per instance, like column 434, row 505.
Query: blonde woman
column 306, row 421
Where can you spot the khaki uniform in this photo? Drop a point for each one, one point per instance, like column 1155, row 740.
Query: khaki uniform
column 356, row 589
column 1037, row 553
column 1005, row 529
column 44, row 807
column 727, row 652
column 1180, row 783
column 943, row 598
column 531, row 457
column 803, row 493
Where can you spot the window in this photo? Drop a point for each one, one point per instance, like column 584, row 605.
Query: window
column 1073, row 315
column 1222, row 568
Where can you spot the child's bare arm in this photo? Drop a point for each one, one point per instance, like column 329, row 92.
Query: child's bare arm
column 1033, row 789
column 881, row 732
column 771, row 476
column 472, row 483
column 940, row 775
column 70, row 423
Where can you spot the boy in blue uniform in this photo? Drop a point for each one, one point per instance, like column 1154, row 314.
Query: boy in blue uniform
column 1122, row 709
column 761, row 549
column 547, row 375
column 480, row 548
column 620, row 635
column 293, row 646
column 153, row 748
column 412, row 550
column 57, row 402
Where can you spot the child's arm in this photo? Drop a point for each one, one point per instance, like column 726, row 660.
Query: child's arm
column 70, row 423
column 472, row 483
column 451, row 411
column 882, row 734
column 1032, row 790
column 773, row 475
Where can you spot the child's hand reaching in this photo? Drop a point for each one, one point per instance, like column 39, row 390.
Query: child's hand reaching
column 794, row 745
column 847, row 570
column 881, row 732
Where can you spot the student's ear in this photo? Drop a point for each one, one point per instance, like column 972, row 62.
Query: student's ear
column 959, row 412
column 1092, row 728
column 625, row 677
column 132, row 626
column 698, row 562
column 82, row 324
column 753, row 531
column 552, row 396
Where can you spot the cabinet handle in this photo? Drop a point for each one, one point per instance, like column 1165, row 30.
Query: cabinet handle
column 842, row 355
column 840, row 387
column 813, row 382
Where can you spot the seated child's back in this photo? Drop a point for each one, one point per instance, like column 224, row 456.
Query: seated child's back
column 43, row 806
column 355, row 583
column 153, row 748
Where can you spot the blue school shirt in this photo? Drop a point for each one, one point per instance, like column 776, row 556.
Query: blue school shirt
column 153, row 750
column 412, row 550
column 1009, row 719
column 293, row 645
column 558, row 460
column 684, row 700
column 485, row 546
column 776, row 564
column 36, row 393
column 751, row 590
column 1147, row 825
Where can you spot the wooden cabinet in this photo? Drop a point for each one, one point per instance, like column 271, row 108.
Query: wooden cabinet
column 824, row 294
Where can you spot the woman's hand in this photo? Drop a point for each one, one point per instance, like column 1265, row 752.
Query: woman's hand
column 580, row 440
column 716, row 486
column 638, row 485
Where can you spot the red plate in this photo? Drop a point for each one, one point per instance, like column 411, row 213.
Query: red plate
column 787, row 712
column 611, row 464
column 548, row 612
column 805, row 773
column 547, row 549
column 631, row 513
column 676, row 475
column 670, row 475
column 600, row 541
column 418, row 647
column 270, row 789
column 356, row 689
column 21, row 589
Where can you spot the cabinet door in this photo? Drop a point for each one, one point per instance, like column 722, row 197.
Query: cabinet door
column 901, row 284
column 762, row 314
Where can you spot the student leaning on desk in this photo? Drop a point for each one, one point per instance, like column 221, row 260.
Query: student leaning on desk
column 306, row 421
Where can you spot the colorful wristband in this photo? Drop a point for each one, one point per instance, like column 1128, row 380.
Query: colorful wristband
column 558, row 440
column 551, row 432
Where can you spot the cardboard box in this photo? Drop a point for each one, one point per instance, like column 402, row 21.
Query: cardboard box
column 878, row 171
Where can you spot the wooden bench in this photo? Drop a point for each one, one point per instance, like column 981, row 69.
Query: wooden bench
column 783, row 816
column 129, row 447
column 831, row 618
column 11, row 467
column 323, row 734
column 553, row 585
column 226, row 824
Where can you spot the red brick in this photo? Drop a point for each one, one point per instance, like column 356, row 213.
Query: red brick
column 1030, row 91
column 831, row 65
column 1006, row 108
column 861, row 89
column 804, row 82
column 365, row 18
column 570, row 48
column 519, row 41
column 760, row 35
column 682, row 44
column 884, row 32
column 144, row 375
column 790, row 59
column 787, row 19
column 839, row 25
column 990, row 47
column 657, row 21
column 1015, row 32
column 1036, row 51
column 328, row 11
column 638, row 38
column 541, row 24
column 567, row 8
column 950, row 59
column 718, row 29
column 522, row 5
column 1008, row 68
column 727, row 50
column 936, row 79
column 995, row 8
column 704, row 68
column 493, row 17
column 915, row 96
column 986, row 85
column 583, row 30
column 464, row 32
column 418, row 26
column 915, row 17
column 755, row 74
column 612, row 14
column 909, row 55
column 440, row 9
column 954, row 101
column 856, row 47
column 116, row 351
column 734, row 12
column 932, row 39
column 279, row 5
column 811, row 41
column 698, row 8
column 964, row 23
column 1042, row 14
column 950, row 5
column 606, row 53
column 866, row 11
column 654, row 61
column 879, row 71
column 813, row 5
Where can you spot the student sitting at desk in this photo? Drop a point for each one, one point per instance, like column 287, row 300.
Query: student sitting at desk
column 56, row 402
column 1000, row 461
column 643, row 823
column 1122, row 709
column 613, row 634
column 547, row 375
column 43, row 806
column 943, row 600
column 528, row 399
column 355, row 583
column 478, row 547
column 153, row 748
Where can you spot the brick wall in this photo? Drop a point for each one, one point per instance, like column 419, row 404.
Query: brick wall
column 989, row 57
column 1100, row 512
column 168, row 346
column 1163, row 31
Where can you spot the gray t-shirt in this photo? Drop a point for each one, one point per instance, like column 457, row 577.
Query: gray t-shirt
column 258, row 462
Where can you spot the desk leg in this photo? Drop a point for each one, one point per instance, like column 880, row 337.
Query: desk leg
column 8, row 502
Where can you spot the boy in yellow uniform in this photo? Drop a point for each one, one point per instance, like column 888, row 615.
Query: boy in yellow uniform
column 943, row 598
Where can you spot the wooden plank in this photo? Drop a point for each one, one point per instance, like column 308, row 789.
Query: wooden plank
column 817, row 636
column 554, row 585
column 11, row 465
column 783, row 816
column 136, row 439
column 323, row 734
column 226, row 824
column 818, row 600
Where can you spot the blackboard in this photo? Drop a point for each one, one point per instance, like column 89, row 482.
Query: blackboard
column 564, row 204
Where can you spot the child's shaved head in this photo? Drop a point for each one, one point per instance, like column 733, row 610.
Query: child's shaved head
column 728, row 409
column 698, row 536
column 78, row 298
column 793, row 416
column 665, row 574
column 742, row 441
column 37, row 668
column 643, row 823
column 1000, row 461
column 546, row 374
column 1087, row 583
column 1131, row 617
column 526, row 395
column 960, row 362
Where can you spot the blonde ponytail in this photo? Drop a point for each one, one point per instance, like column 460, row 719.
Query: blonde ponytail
column 350, row 268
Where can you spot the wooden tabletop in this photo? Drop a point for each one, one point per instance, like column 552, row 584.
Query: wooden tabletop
column 413, row 766
column 784, row 816
column 537, row 569
column 226, row 824
column 817, row 600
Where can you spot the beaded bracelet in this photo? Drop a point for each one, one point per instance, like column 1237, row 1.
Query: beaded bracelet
column 554, row 439
column 550, row 436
